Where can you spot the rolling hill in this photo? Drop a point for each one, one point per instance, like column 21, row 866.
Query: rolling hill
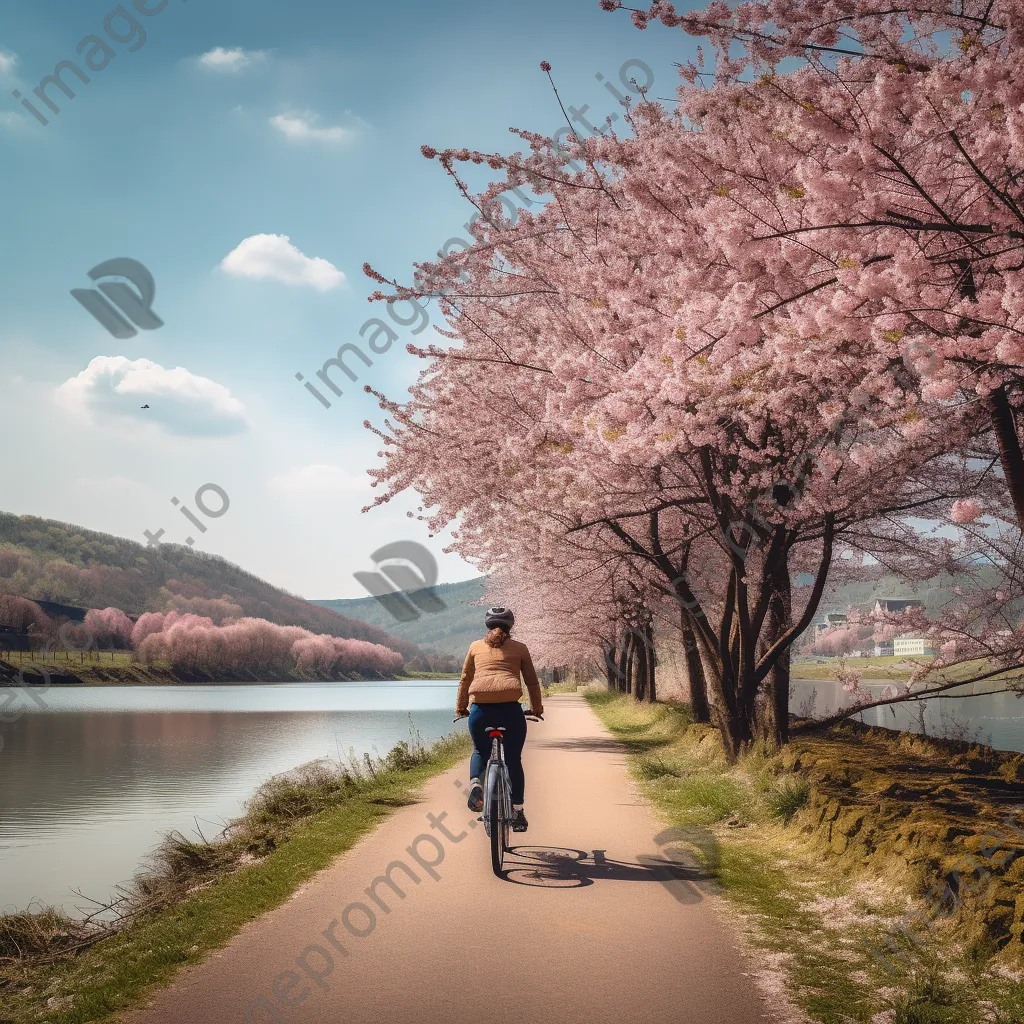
column 448, row 632
column 452, row 631
column 42, row 559
column 934, row 594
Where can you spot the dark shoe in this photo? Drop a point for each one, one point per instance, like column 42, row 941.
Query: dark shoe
column 476, row 798
column 519, row 822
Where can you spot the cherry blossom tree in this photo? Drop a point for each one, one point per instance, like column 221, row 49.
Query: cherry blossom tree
column 146, row 624
column 840, row 640
column 255, row 649
column 889, row 157
column 23, row 615
column 611, row 380
column 110, row 627
column 219, row 609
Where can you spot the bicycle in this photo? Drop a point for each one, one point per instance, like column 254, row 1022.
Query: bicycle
column 497, row 815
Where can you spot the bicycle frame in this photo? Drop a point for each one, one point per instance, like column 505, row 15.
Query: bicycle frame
column 497, row 803
column 498, row 787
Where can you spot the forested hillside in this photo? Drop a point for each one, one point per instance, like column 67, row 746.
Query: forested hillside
column 934, row 594
column 452, row 631
column 447, row 632
column 42, row 559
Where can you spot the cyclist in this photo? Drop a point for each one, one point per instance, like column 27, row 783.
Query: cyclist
column 490, row 681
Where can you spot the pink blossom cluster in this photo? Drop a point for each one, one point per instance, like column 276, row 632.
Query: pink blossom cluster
column 249, row 647
column 842, row 640
column 20, row 614
column 109, row 627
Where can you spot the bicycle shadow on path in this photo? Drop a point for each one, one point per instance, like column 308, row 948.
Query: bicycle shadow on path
column 558, row 867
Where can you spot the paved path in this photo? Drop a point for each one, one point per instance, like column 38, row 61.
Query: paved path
column 591, row 925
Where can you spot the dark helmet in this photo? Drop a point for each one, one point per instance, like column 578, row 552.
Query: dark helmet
column 502, row 617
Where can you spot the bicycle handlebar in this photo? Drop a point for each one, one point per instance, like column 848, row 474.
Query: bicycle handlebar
column 530, row 716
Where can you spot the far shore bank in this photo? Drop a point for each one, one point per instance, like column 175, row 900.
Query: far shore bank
column 39, row 674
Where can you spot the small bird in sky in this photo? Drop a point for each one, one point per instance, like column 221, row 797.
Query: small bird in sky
column 145, row 407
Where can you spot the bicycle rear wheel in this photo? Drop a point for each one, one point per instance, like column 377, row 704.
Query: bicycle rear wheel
column 506, row 817
column 497, row 826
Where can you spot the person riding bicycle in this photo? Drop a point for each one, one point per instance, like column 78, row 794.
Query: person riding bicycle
column 490, row 681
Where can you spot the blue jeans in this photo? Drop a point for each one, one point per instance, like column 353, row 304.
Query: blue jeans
column 510, row 715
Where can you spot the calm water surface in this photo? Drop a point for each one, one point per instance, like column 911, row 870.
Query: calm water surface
column 90, row 781
column 972, row 714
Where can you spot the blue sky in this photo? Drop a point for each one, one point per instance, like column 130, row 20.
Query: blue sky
column 234, row 120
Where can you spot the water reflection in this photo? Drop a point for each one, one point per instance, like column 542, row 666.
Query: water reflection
column 89, row 784
column 995, row 719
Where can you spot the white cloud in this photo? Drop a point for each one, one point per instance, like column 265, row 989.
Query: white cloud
column 322, row 479
column 234, row 59
column 114, row 388
column 274, row 256
column 7, row 62
column 301, row 128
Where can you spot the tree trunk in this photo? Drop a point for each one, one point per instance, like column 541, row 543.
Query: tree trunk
column 780, row 673
column 734, row 727
column 694, row 670
column 611, row 670
column 725, row 712
column 640, row 674
column 772, row 724
column 1010, row 454
column 624, row 659
column 631, row 659
column 652, row 694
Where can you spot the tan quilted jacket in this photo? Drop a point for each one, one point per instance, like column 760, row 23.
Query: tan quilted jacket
column 491, row 676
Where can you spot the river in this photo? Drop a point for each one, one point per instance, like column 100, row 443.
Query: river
column 970, row 713
column 91, row 777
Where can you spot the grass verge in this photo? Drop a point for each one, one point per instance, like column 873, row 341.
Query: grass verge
column 201, row 893
column 833, row 933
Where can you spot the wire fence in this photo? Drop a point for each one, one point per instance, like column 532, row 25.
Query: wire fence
column 94, row 657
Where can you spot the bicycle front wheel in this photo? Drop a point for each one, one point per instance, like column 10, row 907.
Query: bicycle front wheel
column 495, row 820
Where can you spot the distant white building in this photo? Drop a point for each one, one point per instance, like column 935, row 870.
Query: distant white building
column 884, row 649
column 891, row 605
column 831, row 621
column 909, row 645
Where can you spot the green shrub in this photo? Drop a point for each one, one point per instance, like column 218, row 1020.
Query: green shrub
column 655, row 768
column 790, row 795
column 711, row 798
